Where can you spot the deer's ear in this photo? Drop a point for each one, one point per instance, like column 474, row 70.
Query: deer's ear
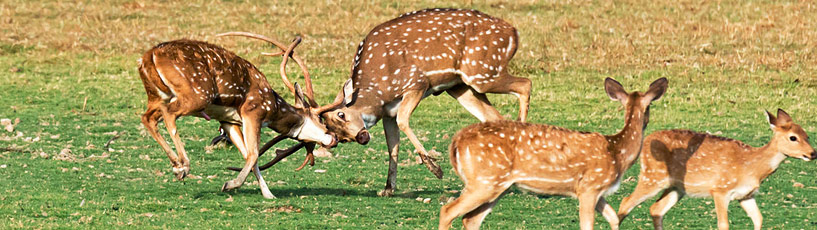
column 614, row 90
column 771, row 119
column 348, row 92
column 657, row 88
column 783, row 117
column 300, row 100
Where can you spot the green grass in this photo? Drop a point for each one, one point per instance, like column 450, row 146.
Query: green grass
column 69, row 74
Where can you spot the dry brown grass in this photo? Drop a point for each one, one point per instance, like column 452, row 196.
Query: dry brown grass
column 602, row 36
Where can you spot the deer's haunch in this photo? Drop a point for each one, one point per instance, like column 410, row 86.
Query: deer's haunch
column 680, row 162
column 464, row 53
column 186, row 77
column 490, row 157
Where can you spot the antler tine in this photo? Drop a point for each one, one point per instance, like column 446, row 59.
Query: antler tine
column 310, row 158
column 273, row 54
column 287, row 53
column 278, row 44
column 337, row 102
column 308, row 80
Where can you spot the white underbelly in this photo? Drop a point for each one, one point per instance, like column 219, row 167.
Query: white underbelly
column 392, row 107
column 742, row 192
column 223, row 113
column 440, row 88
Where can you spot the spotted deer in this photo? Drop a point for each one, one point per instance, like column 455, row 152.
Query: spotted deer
column 682, row 162
column 194, row 78
column 490, row 157
column 464, row 53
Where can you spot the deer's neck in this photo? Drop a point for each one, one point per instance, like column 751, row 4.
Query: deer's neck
column 370, row 105
column 761, row 162
column 626, row 144
column 284, row 119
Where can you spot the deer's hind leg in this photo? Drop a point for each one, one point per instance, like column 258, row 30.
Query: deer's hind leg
column 475, row 202
column 662, row 206
column 475, row 102
column 151, row 122
column 645, row 189
column 499, row 81
column 473, row 219
column 171, row 113
column 518, row 86
column 181, row 103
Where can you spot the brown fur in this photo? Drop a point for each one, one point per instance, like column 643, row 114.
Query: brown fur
column 186, row 77
column 681, row 162
column 490, row 157
column 462, row 52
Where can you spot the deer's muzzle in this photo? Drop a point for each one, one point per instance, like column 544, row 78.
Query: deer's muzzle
column 362, row 137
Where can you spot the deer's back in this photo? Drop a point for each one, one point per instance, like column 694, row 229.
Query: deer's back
column 203, row 71
column 431, row 48
column 695, row 161
column 541, row 158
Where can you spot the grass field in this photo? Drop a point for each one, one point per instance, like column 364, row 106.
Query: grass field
column 68, row 72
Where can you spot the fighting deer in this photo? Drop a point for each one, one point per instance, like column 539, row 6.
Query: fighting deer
column 464, row 53
column 681, row 162
column 186, row 77
column 490, row 157
column 362, row 137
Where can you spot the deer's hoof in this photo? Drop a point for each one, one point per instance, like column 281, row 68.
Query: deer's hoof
column 432, row 166
column 268, row 196
column 230, row 185
column 181, row 172
column 386, row 193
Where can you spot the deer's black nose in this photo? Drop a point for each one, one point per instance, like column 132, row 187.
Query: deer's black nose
column 814, row 155
column 362, row 137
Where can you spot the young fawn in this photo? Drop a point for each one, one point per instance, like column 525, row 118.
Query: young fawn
column 490, row 157
column 684, row 162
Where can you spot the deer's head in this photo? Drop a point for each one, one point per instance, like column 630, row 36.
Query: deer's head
column 636, row 103
column 789, row 138
column 345, row 122
column 310, row 129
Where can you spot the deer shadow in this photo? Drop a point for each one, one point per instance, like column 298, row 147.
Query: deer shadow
column 320, row 191
column 680, row 156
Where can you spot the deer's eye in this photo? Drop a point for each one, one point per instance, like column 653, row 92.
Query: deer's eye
column 793, row 138
column 341, row 115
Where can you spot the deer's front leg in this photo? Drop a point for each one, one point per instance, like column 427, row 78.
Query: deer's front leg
column 251, row 126
column 393, row 142
column 722, row 209
column 608, row 212
column 235, row 135
column 587, row 206
column 410, row 101
column 750, row 206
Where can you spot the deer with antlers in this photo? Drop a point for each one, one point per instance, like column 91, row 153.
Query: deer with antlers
column 464, row 53
column 186, row 77
column 490, row 157
column 683, row 162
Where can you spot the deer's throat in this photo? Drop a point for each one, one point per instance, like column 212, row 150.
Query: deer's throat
column 626, row 144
